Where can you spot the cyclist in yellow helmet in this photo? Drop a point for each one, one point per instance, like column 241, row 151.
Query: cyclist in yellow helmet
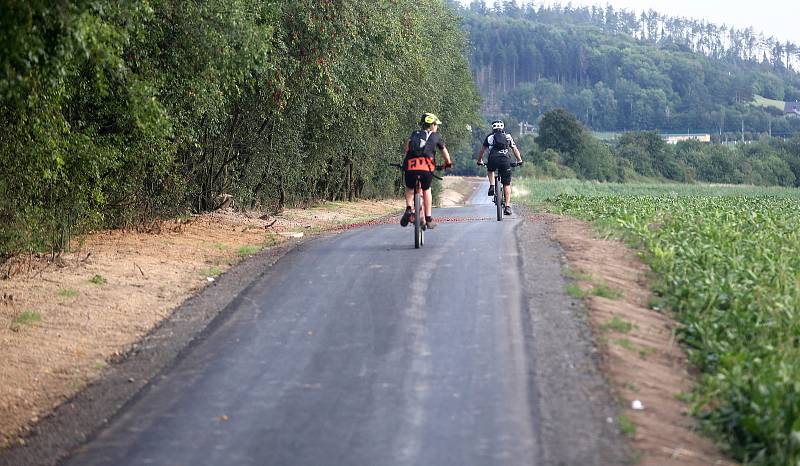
column 420, row 161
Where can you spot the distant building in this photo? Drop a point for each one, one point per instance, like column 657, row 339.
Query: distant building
column 526, row 128
column 792, row 109
column 676, row 138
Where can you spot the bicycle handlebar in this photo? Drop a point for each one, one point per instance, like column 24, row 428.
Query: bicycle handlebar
column 513, row 164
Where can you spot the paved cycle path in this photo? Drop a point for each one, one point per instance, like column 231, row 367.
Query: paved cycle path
column 357, row 349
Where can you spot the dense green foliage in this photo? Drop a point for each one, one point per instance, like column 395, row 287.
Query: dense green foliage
column 618, row 71
column 559, row 131
column 118, row 112
column 727, row 260
column 564, row 142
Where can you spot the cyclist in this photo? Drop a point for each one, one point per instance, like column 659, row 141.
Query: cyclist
column 499, row 143
column 419, row 161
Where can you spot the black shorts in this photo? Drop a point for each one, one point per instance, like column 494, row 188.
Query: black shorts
column 425, row 178
column 502, row 165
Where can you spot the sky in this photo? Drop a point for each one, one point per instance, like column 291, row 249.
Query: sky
column 778, row 18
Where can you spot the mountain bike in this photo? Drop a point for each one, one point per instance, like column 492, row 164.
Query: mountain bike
column 418, row 215
column 499, row 198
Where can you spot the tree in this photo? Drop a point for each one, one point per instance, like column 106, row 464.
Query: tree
column 561, row 131
column 116, row 112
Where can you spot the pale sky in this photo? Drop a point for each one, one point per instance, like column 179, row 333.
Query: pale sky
column 778, row 18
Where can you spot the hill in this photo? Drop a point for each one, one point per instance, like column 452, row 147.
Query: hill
column 617, row 71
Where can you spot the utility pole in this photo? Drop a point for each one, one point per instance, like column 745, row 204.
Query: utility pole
column 742, row 130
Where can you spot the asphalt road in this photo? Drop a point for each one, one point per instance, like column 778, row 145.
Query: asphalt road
column 357, row 349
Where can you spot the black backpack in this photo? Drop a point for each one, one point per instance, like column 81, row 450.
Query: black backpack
column 417, row 143
column 500, row 142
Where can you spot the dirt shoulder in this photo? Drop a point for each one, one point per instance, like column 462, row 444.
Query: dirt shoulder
column 640, row 355
column 456, row 190
column 66, row 323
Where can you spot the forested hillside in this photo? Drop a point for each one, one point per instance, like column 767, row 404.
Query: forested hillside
column 618, row 71
column 118, row 112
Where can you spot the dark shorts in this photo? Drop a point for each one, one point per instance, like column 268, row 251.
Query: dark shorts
column 425, row 178
column 502, row 165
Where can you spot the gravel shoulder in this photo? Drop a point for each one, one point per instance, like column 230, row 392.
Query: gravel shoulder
column 577, row 415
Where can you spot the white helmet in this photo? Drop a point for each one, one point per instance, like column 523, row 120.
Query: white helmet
column 497, row 125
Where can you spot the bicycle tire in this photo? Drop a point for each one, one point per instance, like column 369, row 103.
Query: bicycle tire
column 417, row 221
column 498, row 193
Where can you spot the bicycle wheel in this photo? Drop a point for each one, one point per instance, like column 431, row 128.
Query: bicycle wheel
column 498, row 196
column 417, row 220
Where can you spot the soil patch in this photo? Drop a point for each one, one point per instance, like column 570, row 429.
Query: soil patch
column 456, row 190
column 63, row 321
column 639, row 353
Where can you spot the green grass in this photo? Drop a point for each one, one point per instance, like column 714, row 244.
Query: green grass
column 656, row 303
column 98, row 280
column 626, row 343
column 618, row 324
column 604, row 291
column 569, row 273
column 760, row 101
column 726, row 260
column 68, row 292
column 27, row 318
column 248, row 250
column 328, row 205
column 219, row 246
column 626, row 426
column 545, row 191
column 683, row 396
column 574, row 290
column 211, row 271
column 598, row 289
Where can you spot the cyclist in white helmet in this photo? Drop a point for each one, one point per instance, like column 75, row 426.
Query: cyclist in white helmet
column 500, row 144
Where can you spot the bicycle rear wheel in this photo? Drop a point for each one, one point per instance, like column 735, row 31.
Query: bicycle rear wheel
column 417, row 221
column 498, row 196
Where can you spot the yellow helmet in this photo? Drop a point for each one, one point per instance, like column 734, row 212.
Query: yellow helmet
column 429, row 119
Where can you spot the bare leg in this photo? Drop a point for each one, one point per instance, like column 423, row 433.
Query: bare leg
column 507, row 191
column 428, row 199
column 409, row 197
column 491, row 178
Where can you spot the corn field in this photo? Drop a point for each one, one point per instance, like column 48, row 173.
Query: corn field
column 727, row 261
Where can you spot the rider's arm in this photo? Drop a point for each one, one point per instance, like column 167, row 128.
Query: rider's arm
column 480, row 154
column 405, row 146
column 446, row 156
column 517, row 154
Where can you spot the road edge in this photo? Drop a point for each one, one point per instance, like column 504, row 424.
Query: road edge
column 578, row 423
